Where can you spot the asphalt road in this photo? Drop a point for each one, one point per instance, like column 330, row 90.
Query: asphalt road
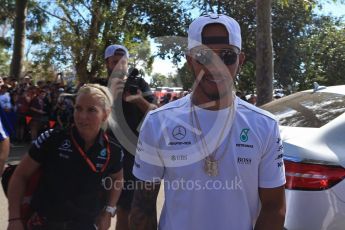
column 16, row 154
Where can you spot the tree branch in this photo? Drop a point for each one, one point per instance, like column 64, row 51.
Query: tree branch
column 78, row 12
column 89, row 7
column 54, row 15
column 71, row 22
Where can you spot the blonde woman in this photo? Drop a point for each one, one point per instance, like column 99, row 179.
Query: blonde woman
column 81, row 171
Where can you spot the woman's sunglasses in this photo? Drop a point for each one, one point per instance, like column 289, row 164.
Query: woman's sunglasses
column 205, row 56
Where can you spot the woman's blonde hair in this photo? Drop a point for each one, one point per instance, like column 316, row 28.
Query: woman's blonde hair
column 103, row 94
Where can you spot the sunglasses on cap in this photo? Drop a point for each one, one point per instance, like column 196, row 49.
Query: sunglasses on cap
column 205, row 56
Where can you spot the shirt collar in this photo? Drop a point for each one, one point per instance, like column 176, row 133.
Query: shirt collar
column 99, row 139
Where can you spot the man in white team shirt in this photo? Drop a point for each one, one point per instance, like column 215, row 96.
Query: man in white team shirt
column 220, row 158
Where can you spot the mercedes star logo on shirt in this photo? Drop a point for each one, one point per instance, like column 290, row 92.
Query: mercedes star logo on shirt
column 66, row 144
column 179, row 132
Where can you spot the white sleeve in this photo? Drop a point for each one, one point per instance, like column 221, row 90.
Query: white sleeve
column 3, row 133
column 148, row 165
column 271, row 169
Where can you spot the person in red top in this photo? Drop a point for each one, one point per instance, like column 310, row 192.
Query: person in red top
column 38, row 114
column 22, row 105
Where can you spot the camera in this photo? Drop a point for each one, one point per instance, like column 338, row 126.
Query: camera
column 133, row 81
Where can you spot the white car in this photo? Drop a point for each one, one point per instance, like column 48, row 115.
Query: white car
column 313, row 133
column 278, row 93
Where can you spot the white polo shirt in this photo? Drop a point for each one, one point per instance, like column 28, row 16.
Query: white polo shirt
column 169, row 148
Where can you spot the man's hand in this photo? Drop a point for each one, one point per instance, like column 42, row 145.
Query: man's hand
column 116, row 87
column 143, row 213
column 272, row 213
column 139, row 100
column 103, row 221
column 133, row 98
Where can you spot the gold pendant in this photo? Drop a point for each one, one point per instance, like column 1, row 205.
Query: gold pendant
column 211, row 166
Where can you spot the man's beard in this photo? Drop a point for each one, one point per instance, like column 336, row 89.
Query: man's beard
column 213, row 97
column 217, row 95
column 226, row 85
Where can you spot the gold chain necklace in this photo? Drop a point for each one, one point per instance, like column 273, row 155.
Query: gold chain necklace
column 211, row 163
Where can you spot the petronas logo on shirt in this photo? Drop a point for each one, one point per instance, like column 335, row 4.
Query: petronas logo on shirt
column 244, row 135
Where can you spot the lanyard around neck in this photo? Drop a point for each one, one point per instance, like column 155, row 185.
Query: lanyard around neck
column 87, row 159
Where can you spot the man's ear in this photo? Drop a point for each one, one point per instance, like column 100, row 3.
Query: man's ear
column 189, row 59
column 189, row 62
column 242, row 57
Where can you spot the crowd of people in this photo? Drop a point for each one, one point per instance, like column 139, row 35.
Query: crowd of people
column 111, row 147
column 28, row 108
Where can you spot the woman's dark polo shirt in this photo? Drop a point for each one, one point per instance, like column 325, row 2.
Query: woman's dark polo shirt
column 69, row 189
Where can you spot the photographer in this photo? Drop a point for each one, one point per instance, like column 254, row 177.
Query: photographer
column 132, row 100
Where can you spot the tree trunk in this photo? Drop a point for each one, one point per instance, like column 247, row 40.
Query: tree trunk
column 87, row 65
column 264, row 52
column 81, row 71
column 19, row 38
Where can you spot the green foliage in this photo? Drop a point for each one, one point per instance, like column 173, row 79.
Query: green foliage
column 36, row 19
column 5, row 43
column 7, row 14
column 158, row 80
column 302, row 51
column 167, row 23
column 7, row 10
column 141, row 56
column 324, row 52
column 306, row 48
column 173, row 80
column 245, row 82
column 86, row 28
column 33, row 25
column 4, row 62
column 288, row 29
column 185, row 76
column 39, row 71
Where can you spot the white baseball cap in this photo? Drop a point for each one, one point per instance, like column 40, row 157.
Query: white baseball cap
column 231, row 25
column 110, row 50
